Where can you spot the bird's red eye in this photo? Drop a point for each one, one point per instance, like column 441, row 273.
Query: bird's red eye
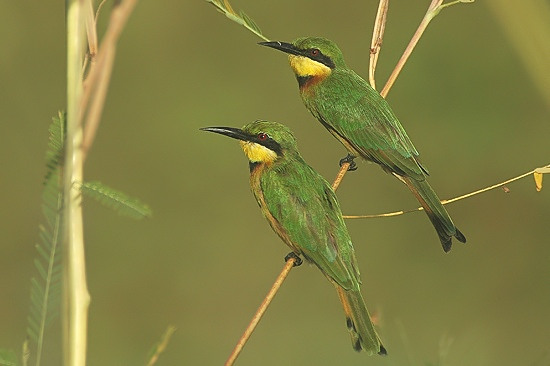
column 315, row 52
column 262, row 136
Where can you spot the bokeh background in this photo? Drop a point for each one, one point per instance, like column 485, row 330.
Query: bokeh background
column 473, row 98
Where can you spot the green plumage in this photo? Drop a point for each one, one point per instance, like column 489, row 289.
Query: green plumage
column 305, row 206
column 363, row 121
column 302, row 209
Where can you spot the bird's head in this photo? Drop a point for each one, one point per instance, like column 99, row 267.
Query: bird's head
column 311, row 57
column 261, row 141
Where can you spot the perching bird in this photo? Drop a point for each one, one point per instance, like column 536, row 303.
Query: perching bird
column 302, row 209
column 362, row 121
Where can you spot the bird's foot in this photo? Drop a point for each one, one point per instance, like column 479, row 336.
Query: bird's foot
column 350, row 160
column 297, row 259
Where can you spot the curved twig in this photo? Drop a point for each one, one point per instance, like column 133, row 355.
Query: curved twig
column 260, row 312
column 541, row 170
column 343, row 170
column 377, row 35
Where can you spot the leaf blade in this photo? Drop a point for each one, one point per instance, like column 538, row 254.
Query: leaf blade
column 241, row 18
column 116, row 200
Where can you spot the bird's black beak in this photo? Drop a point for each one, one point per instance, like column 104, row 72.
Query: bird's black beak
column 282, row 46
column 232, row 132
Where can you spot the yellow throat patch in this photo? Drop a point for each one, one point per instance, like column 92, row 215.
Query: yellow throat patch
column 257, row 153
column 304, row 66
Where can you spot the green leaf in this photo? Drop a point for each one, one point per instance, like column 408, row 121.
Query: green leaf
column 240, row 18
column 37, row 289
column 8, row 357
column 41, row 270
column 45, row 288
column 55, row 152
column 538, row 175
column 251, row 23
column 42, row 251
column 116, row 200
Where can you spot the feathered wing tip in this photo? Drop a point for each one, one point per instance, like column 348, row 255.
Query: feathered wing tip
column 362, row 332
column 446, row 240
column 459, row 236
column 436, row 212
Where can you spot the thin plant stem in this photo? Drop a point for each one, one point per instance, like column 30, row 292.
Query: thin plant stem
column 91, row 29
column 343, row 170
column 261, row 310
column 161, row 346
column 99, row 7
column 56, row 233
column 26, row 353
column 98, row 79
column 377, row 35
column 444, row 202
column 435, row 7
column 76, row 296
column 410, row 47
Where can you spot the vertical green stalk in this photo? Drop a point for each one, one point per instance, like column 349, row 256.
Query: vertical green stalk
column 55, row 234
column 76, row 297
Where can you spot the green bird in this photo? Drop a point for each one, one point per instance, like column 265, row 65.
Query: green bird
column 302, row 209
column 362, row 121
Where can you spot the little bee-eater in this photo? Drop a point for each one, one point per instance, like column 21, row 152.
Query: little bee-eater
column 362, row 121
column 302, row 209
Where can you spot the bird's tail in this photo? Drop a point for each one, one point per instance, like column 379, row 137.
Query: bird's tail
column 438, row 215
column 363, row 334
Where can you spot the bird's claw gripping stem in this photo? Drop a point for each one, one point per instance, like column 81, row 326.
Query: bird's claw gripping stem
column 349, row 159
column 297, row 259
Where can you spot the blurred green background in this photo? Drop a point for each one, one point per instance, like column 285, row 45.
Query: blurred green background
column 470, row 98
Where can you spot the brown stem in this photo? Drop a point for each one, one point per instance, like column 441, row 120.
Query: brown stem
column 433, row 9
column 444, row 202
column 90, row 29
column 377, row 35
column 260, row 312
column 343, row 170
column 97, row 82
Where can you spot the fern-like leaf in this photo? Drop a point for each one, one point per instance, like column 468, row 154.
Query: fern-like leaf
column 46, row 288
column 55, row 152
column 8, row 358
column 250, row 22
column 224, row 7
column 118, row 201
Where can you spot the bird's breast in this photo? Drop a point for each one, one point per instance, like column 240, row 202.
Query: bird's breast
column 256, row 184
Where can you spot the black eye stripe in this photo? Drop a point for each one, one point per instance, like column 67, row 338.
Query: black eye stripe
column 317, row 55
column 265, row 140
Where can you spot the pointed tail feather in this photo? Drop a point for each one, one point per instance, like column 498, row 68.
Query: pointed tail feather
column 436, row 212
column 363, row 334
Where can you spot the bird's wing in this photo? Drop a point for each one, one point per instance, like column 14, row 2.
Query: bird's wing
column 306, row 208
column 361, row 117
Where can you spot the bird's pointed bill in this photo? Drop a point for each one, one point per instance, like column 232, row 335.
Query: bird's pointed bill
column 283, row 46
column 232, row 132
